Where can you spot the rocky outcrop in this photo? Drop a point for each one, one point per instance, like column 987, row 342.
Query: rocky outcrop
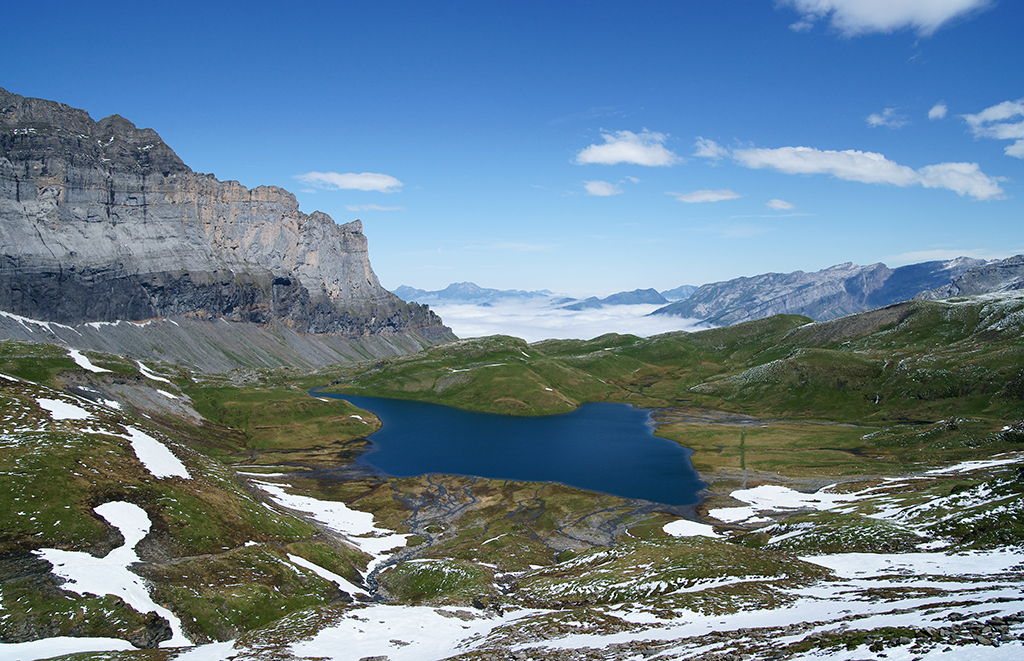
column 101, row 221
column 1000, row 276
column 833, row 292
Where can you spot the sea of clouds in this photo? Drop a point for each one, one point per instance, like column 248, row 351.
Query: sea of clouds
column 539, row 320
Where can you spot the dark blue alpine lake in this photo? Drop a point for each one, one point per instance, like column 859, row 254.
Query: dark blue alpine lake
column 610, row 448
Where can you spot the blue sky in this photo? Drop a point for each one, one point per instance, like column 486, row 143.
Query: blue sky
column 582, row 147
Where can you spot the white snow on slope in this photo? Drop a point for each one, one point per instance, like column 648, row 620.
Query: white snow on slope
column 84, row 362
column 402, row 633
column 326, row 574
column 149, row 374
column 87, row 574
column 774, row 497
column 918, row 565
column 685, row 528
column 61, row 410
column 48, row 648
column 356, row 526
column 155, row 456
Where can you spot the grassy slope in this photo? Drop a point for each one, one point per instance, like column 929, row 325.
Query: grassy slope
column 936, row 377
column 879, row 393
column 210, row 528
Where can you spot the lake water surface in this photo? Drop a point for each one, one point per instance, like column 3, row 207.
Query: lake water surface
column 610, row 448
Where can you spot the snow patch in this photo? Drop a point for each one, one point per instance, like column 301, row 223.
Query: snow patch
column 148, row 373
column 86, row 574
column 402, row 633
column 685, row 528
column 355, row 525
column 84, row 362
column 155, row 456
column 61, row 410
column 327, row 574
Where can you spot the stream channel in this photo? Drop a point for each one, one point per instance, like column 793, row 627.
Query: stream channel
column 603, row 447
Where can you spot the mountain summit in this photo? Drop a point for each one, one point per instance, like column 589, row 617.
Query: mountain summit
column 101, row 221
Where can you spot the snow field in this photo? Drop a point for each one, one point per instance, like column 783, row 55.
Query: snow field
column 87, row 574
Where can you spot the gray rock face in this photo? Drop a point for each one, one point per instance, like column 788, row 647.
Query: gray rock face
column 101, row 221
column 1000, row 276
column 833, row 292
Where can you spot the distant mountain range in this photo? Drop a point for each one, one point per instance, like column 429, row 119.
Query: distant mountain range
column 467, row 292
column 827, row 294
column 470, row 293
column 822, row 295
column 998, row 276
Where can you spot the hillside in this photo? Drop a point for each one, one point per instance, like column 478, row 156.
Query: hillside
column 842, row 457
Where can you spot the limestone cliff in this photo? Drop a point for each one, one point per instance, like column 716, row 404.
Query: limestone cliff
column 101, row 221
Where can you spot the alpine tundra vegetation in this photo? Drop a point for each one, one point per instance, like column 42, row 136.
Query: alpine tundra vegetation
column 864, row 494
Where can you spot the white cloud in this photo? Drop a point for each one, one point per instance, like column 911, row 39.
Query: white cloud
column 872, row 168
column 938, row 111
column 706, row 196
column 368, row 181
column 536, row 321
column 991, row 123
column 780, row 205
column 709, row 149
column 856, row 17
column 888, row 118
column 601, row 188
column 865, row 167
column 964, row 178
column 644, row 148
column 371, row 207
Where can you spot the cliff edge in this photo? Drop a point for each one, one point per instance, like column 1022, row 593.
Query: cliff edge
column 101, row 221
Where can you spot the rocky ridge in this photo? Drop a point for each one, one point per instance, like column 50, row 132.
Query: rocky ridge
column 101, row 221
column 827, row 294
column 999, row 276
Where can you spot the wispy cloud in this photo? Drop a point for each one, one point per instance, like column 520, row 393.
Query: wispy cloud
column 644, row 148
column 939, row 254
column 888, row 118
column 857, row 17
column 509, row 245
column 705, row 196
column 601, row 188
column 938, row 111
column 780, row 205
column 991, row 123
column 365, row 181
column 371, row 207
column 709, row 149
column 873, row 168
column 606, row 188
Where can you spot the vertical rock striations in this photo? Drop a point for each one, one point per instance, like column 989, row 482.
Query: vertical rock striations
column 101, row 221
